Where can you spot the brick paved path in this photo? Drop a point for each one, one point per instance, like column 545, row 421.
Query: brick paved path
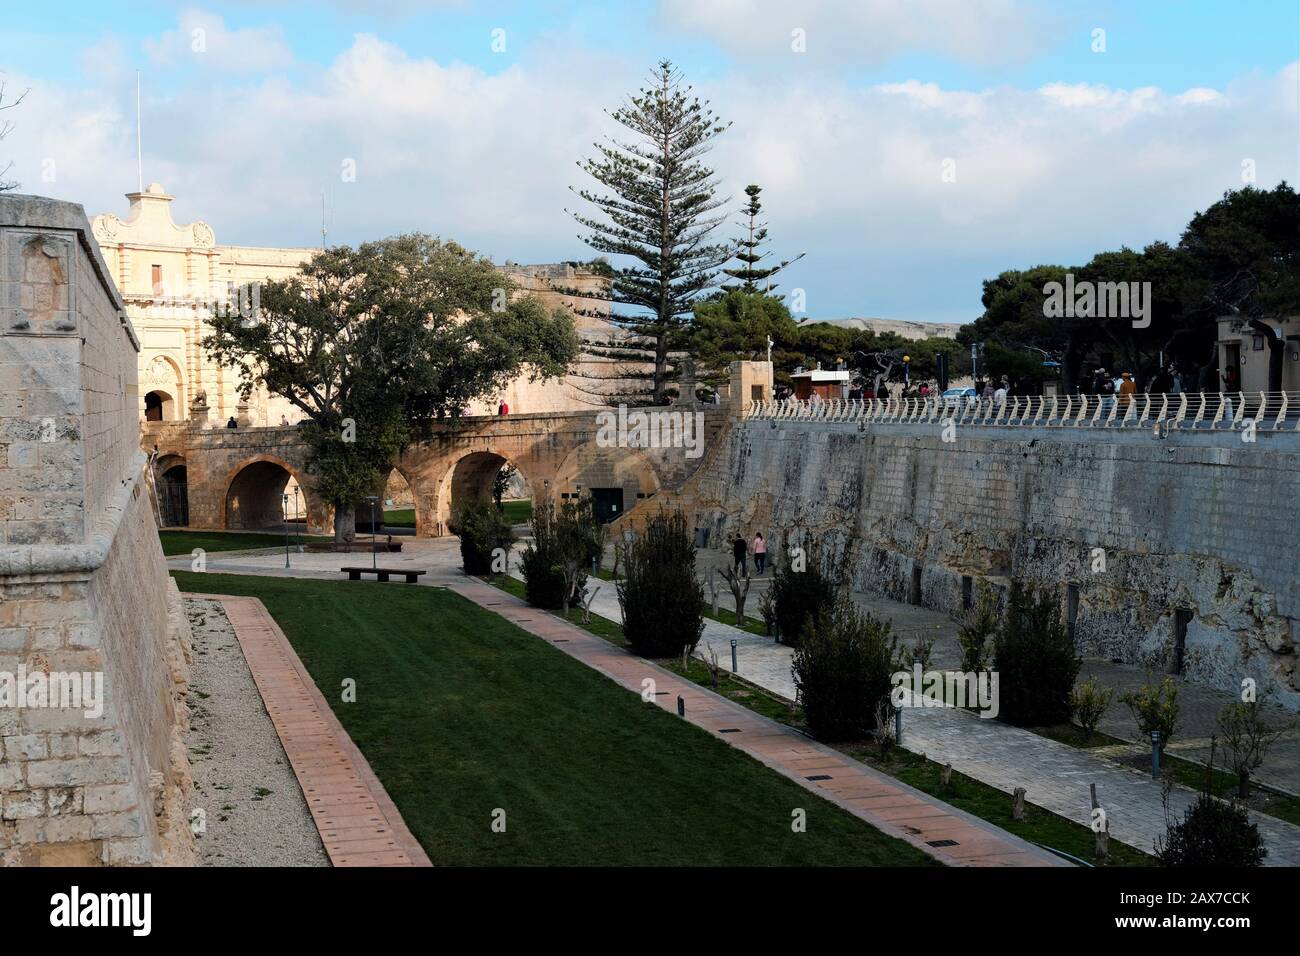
column 358, row 823
column 885, row 803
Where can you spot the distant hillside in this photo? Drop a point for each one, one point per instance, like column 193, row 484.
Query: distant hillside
column 907, row 329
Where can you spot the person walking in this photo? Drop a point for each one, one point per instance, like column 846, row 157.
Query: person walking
column 1127, row 389
column 738, row 553
column 760, row 553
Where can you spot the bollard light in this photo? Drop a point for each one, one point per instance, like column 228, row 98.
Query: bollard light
column 1155, row 755
column 681, row 706
column 898, row 726
column 733, row 655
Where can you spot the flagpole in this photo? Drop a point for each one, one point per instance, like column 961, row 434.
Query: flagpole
column 139, row 152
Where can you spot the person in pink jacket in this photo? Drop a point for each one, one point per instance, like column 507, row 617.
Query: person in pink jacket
column 759, row 551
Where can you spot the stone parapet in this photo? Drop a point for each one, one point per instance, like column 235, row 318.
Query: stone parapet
column 92, row 658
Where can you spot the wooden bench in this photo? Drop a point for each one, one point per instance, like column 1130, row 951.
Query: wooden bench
column 354, row 574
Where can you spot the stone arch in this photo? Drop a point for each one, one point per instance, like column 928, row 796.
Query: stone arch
column 592, row 469
column 469, row 475
column 251, row 495
column 160, row 383
column 171, row 480
column 159, row 406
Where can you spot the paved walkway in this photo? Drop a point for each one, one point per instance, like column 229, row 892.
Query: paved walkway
column 885, row 803
column 1056, row 776
column 358, row 823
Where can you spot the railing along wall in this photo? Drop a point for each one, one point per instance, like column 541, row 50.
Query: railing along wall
column 1267, row 411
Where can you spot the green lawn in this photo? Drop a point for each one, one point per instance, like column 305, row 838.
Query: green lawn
column 460, row 712
column 184, row 542
column 979, row 799
column 518, row 512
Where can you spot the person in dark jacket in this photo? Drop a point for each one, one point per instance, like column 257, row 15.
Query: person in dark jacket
column 739, row 551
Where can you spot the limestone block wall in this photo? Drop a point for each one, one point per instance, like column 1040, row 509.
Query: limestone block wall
column 1200, row 521
column 83, row 585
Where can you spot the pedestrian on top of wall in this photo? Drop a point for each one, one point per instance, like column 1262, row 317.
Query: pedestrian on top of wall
column 760, row 553
column 738, row 553
column 284, row 419
column 232, row 423
column 1127, row 388
column 503, row 409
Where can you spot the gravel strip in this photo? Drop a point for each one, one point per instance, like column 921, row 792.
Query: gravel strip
column 253, row 808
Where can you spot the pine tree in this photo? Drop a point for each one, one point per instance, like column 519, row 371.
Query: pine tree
column 753, row 278
column 659, row 211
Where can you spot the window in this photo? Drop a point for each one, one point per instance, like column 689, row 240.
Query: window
column 157, row 280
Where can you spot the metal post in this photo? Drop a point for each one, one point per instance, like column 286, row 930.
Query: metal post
column 1155, row 755
column 898, row 726
column 681, row 706
column 295, row 513
column 733, row 656
column 374, row 555
column 284, row 509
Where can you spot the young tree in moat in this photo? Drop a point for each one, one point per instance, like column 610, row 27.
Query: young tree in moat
column 5, row 128
column 375, row 344
column 659, row 210
column 752, row 275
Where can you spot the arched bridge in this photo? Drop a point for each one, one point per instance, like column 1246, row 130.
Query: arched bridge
column 213, row 477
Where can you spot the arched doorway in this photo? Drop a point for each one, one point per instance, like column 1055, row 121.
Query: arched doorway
column 398, row 504
column 254, row 497
column 159, row 407
column 476, row 477
column 173, row 493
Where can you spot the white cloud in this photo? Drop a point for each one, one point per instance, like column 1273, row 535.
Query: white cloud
column 851, row 175
column 202, row 39
column 870, row 32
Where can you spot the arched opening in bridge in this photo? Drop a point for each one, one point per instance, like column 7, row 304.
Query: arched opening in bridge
column 173, row 493
column 398, row 504
column 254, row 499
column 487, row 476
column 159, row 407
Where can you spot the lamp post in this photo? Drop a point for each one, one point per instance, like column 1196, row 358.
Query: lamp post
column 284, row 510
column 374, row 554
column 295, row 511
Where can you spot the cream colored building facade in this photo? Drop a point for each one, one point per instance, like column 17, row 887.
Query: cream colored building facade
column 171, row 276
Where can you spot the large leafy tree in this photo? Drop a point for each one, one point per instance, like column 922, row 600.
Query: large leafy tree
column 658, row 207
column 375, row 344
column 1244, row 253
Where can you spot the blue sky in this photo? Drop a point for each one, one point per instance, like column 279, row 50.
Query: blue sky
column 1059, row 151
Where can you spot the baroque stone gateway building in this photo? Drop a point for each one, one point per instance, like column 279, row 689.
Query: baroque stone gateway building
column 172, row 276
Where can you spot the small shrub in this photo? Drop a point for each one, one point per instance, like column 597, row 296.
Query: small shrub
column 978, row 626
column 663, row 602
column 482, row 530
column 1212, row 833
column 1247, row 737
column 555, row 562
column 1155, row 707
column 1035, row 659
column 842, row 671
column 800, row 590
column 1089, row 702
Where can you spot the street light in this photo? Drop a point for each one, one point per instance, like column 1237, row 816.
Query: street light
column 295, row 512
column 374, row 554
column 284, row 510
